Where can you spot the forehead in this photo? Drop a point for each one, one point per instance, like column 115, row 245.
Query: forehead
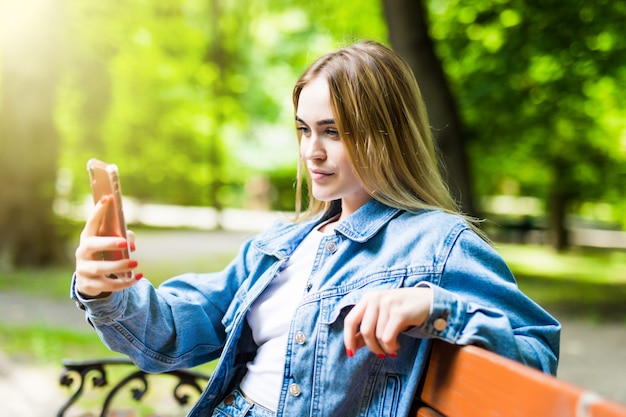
column 314, row 101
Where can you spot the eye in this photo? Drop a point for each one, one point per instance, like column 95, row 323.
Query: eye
column 333, row 133
column 303, row 130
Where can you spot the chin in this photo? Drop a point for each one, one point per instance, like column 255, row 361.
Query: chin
column 325, row 197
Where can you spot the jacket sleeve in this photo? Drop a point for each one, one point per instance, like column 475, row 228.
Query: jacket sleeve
column 178, row 325
column 477, row 301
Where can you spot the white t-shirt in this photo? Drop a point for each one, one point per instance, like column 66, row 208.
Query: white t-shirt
column 269, row 318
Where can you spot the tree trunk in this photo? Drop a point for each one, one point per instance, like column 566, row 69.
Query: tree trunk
column 558, row 201
column 408, row 34
column 28, row 138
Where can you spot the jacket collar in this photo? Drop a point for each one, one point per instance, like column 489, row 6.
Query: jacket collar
column 364, row 223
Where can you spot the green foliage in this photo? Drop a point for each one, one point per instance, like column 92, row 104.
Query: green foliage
column 537, row 83
column 191, row 98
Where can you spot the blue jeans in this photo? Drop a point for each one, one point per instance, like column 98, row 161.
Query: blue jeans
column 236, row 404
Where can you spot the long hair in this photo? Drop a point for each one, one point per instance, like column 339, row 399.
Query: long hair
column 382, row 121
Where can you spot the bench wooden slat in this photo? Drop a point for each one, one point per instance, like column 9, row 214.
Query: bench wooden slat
column 428, row 412
column 607, row 409
column 469, row 381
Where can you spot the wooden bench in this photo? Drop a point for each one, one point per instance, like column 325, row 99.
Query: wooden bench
column 459, row 382
column 472, row 382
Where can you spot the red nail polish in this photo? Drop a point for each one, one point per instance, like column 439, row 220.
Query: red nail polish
column 349, row 352
column 138, row 276
column 122, row 245
column 132, row 263
column 132, row 245
column 393, row 355
column 380, row 356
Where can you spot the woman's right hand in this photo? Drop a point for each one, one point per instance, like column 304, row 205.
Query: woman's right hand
column 91, row 272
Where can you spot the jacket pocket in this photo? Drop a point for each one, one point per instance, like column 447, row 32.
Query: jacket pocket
column 390, row 397
column 342, row 300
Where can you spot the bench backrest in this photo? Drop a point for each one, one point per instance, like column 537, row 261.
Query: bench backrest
column 469, row 382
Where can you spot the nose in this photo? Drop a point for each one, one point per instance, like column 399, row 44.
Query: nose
column 311, row 147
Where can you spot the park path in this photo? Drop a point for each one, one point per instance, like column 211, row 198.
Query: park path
column 593, row 354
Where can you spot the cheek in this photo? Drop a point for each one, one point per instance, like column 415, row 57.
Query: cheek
column 303, row 150
column 341, row 158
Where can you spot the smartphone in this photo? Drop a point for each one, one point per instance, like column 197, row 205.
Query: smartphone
column 105, row 180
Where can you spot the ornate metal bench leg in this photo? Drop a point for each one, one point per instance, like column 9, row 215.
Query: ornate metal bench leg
column 82, row 369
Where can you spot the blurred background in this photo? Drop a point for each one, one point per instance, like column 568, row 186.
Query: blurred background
column 192, row 100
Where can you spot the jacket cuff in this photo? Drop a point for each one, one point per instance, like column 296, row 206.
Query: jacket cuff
column 447, row 316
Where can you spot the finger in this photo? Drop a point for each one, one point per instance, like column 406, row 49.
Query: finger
column 369, row 325
column 94, row 286
column 126, row 244
column 352, row 338
column 386, row 325
column 130, row 235
column 94, row 219
column 403, row 309
column 359, row 341
column 91, row 246
column 96, row 277
column 100, row 268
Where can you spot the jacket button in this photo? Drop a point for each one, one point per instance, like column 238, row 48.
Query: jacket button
column 300, row 337
column 440, row 324
column 294, row 389
column 331, row 247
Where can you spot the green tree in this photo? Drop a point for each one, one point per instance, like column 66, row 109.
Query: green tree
column 198, row 92
column 29, row 43
column 409, row 35
column 537, row 86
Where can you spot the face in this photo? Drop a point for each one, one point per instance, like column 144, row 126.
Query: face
column 322, row 149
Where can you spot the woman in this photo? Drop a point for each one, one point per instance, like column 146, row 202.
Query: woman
column 332, row 314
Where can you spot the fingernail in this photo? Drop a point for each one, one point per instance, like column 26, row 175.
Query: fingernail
column 380, row 356
column 138, row 276
column 125, row 244
column 132, row 263
column 393, row 355
column 349, row 352
column 104, row 199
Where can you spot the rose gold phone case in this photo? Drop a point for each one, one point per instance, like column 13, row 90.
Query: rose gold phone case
column 104, row 179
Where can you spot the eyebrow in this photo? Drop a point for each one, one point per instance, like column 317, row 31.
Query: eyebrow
column 319, row 122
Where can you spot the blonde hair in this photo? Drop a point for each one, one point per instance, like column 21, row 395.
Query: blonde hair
column 382, row 121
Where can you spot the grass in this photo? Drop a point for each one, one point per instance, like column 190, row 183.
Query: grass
column 53, row 282
column 588, row 284
column 585, row 265
column 50, row 345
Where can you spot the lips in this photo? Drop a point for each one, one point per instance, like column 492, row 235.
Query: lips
column 319, row 175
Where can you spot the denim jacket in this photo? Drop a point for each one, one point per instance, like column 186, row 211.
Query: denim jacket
column 195, row 318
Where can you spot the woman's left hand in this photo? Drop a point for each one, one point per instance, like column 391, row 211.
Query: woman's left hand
column 377, row 320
